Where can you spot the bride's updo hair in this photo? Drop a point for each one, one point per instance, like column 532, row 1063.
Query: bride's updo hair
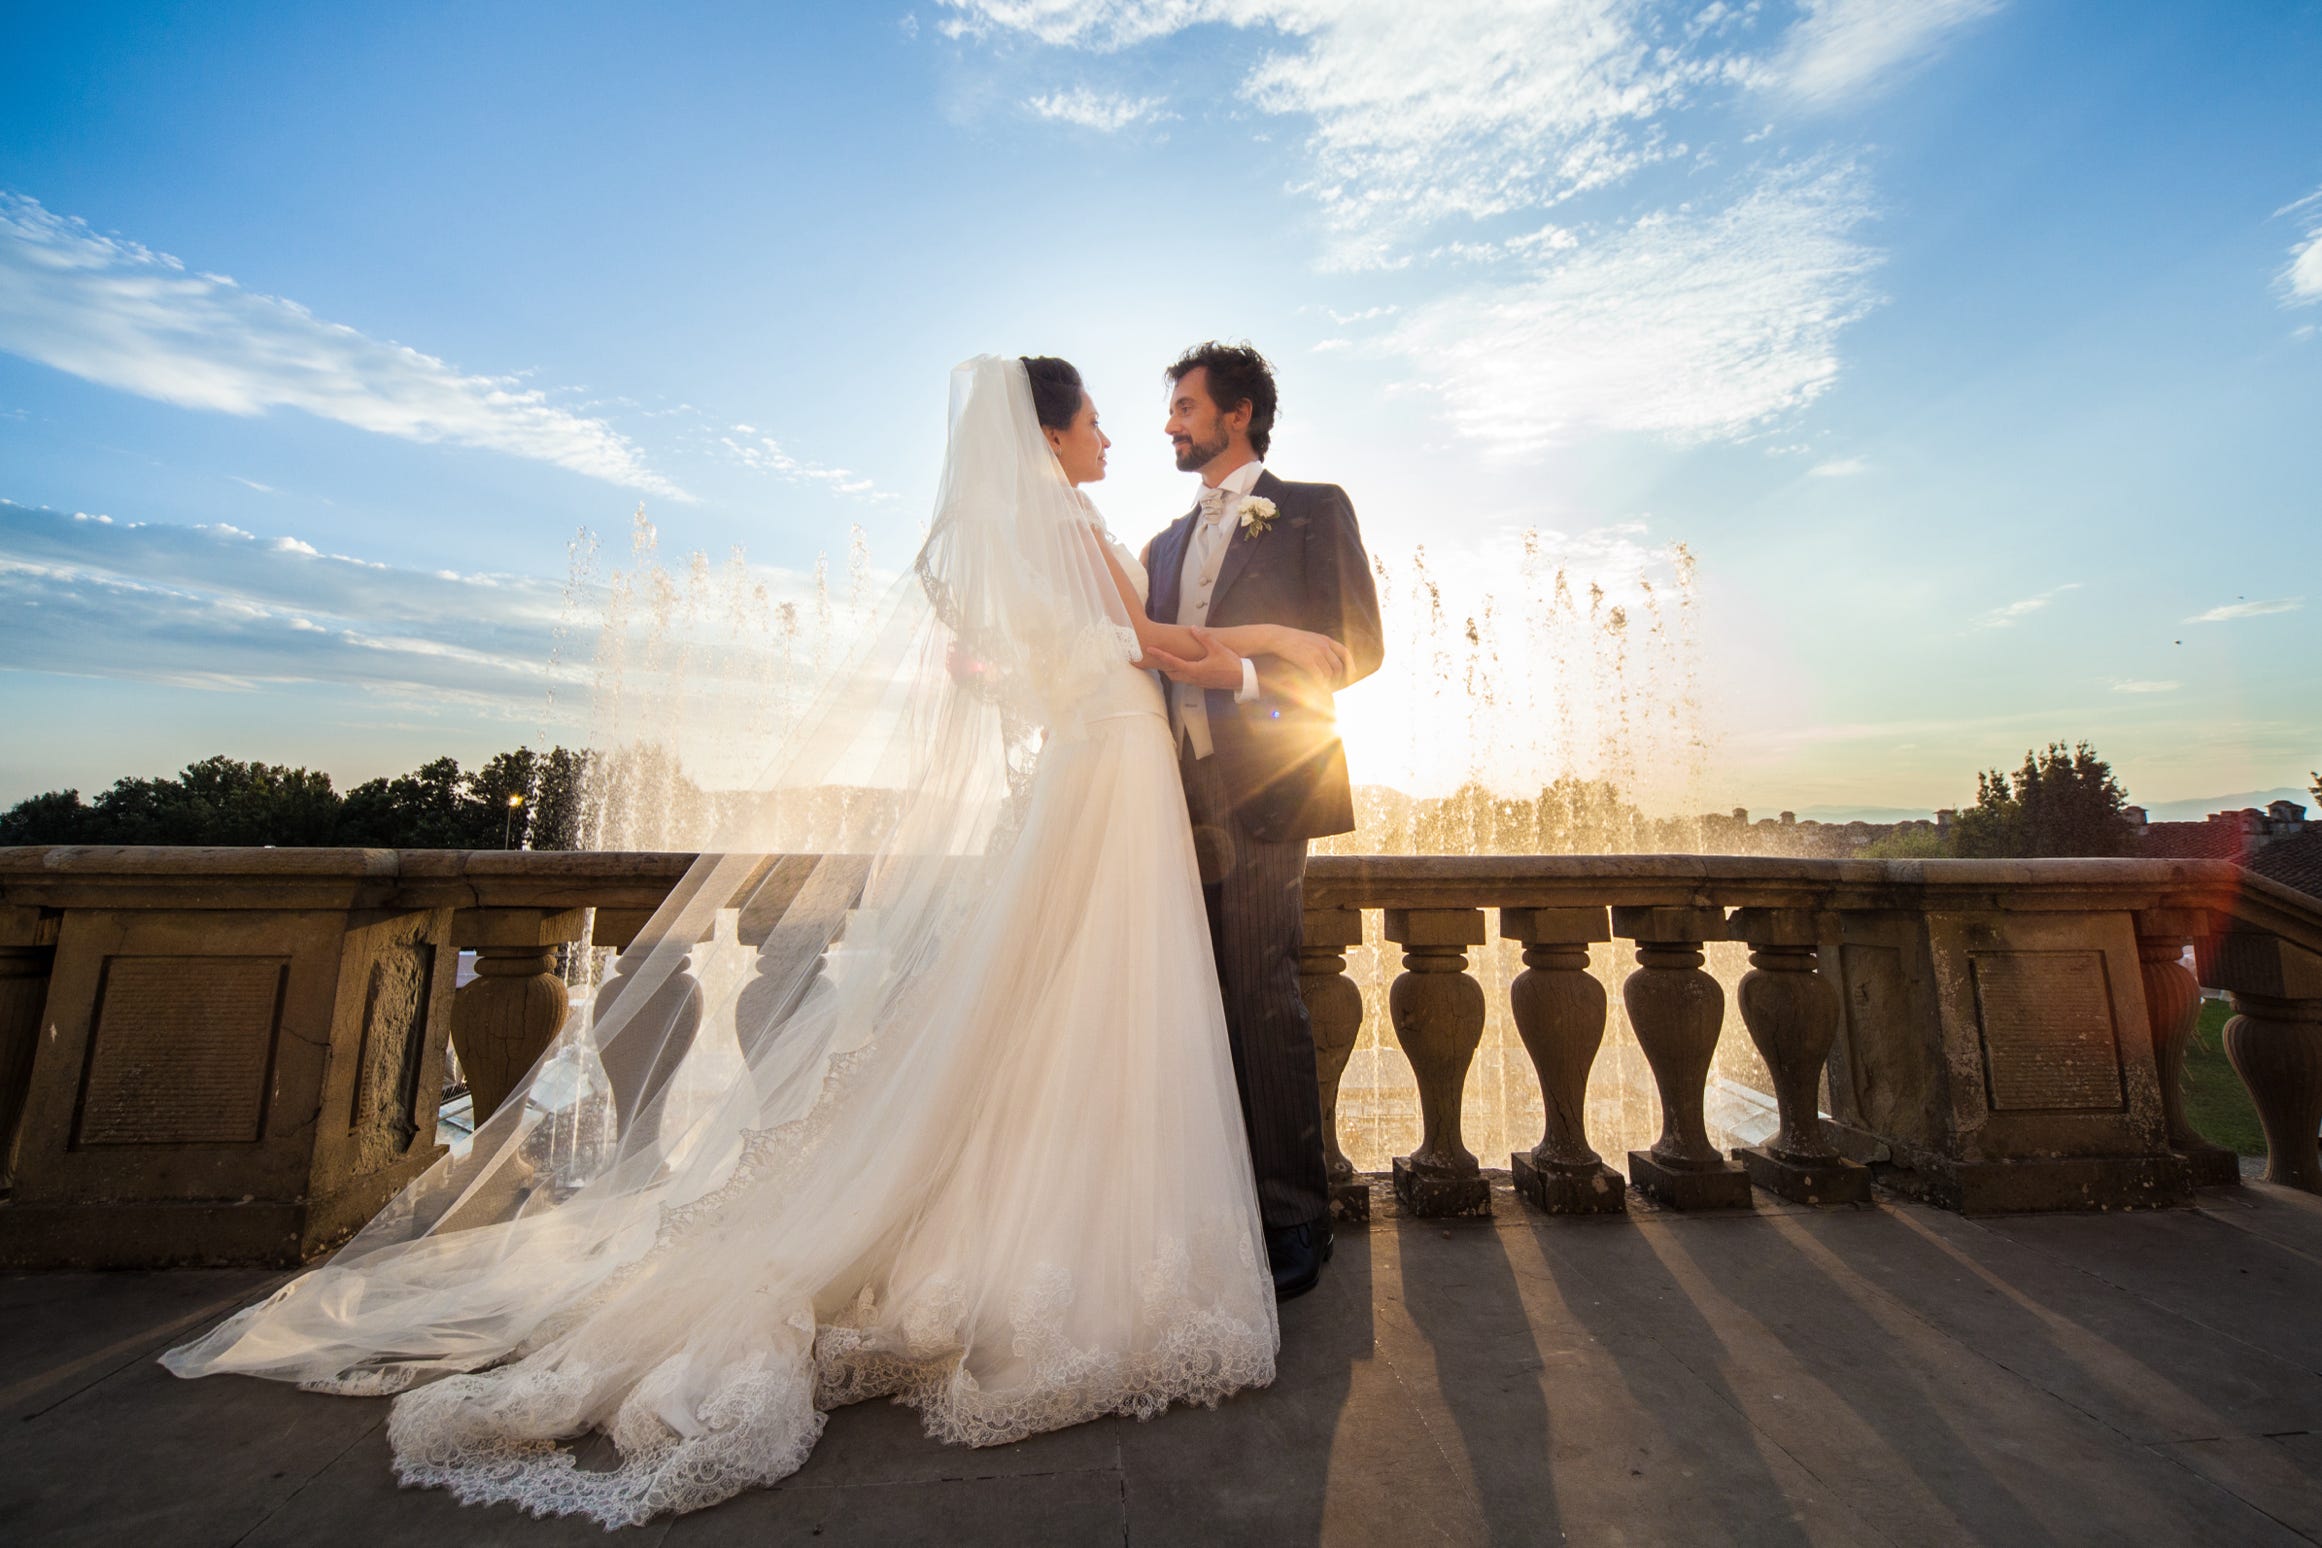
column 1056, row 390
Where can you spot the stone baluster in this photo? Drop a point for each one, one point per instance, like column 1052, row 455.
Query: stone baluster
column 1559, row 1010
column 2172, row 1006
column 649, row 1042
column 1438, row 1015
column 2275, row 1044
column 1676, row 1010
column 27, row 951
column 1792, row 1014
column 1334, row 1007
column 506, row 1016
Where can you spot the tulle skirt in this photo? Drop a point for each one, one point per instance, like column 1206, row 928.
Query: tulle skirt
column 1025, row 1202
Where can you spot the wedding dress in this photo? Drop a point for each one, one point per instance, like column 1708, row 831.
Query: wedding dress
column 921, row 1090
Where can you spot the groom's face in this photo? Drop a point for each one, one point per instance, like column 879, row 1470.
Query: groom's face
column 1196, row 429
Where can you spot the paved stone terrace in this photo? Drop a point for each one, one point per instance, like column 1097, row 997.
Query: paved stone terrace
column 1895, row 1375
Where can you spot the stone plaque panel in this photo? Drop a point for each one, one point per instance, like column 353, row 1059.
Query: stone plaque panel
column 2048, row 1039
column 394, row 1042
column 180, row 1050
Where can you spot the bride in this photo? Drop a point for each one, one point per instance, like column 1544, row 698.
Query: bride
column 918, row 1085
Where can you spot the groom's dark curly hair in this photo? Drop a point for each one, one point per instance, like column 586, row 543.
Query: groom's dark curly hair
column 1238, row 374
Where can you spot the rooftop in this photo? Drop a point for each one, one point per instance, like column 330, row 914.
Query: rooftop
column 1777, row 1376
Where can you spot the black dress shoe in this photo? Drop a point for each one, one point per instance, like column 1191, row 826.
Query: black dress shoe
column 1297, row 1254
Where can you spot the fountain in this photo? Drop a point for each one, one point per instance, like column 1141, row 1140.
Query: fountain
column 1535, row 701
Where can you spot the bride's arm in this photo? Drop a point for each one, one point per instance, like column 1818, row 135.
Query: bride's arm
column 1317, row 654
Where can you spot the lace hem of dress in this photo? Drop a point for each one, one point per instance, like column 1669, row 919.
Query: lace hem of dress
column 494, row 1437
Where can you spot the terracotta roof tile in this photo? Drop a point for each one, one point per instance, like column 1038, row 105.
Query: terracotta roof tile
column 2295, row 861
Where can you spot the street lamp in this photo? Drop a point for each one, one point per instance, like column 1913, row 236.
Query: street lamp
column 506, row 822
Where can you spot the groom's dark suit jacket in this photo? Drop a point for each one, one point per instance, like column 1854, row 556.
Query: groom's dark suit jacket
column 1279, row 756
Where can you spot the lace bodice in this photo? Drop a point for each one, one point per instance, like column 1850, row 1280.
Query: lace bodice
column 1129, row 691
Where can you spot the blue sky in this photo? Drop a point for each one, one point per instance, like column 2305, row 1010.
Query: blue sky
column 1968, row 348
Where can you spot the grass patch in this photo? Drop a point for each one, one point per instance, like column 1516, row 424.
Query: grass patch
column 2216, row 1103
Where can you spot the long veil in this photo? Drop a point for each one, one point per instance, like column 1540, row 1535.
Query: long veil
column 806, row 946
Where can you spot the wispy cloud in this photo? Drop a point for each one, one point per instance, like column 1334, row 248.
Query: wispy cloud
column 2140, row 685
column 761, row 453
column 1692, row 326
column 2005, row 617
column 2233, row 610
column 1456, row 107
column 1839, row 49
column 1104, row 111
column 1841, row 467
column 125, row 316
column 219, row 608
column 2300, row 281
column 216, row 607
column 1701, row 319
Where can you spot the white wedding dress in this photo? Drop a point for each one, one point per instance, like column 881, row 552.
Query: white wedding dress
column 982, row 1152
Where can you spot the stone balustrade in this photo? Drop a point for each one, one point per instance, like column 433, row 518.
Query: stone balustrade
column 237, row 1055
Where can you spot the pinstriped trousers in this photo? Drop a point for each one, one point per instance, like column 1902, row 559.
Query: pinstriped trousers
column 1255, row 891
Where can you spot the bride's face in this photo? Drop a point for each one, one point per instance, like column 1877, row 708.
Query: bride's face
column 1081, row 449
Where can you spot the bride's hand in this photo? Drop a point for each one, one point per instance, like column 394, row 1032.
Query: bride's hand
column 1317, row 655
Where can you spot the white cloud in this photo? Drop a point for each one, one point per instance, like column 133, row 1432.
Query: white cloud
column 1456, row 107
column 1685, row 325
column 1838, row 49
column 1704, row 319
column 2005, row 617
column 2233, row 610
column 122, row 315
column 1105, row 112
column 1841, row 467
column 764, row 454
column 2300, row 281
column 218, row 608
column 2135, row 685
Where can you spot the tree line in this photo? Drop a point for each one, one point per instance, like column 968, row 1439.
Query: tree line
column 523, row 799
column 2062, row 801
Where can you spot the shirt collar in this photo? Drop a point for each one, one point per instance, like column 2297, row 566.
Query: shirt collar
column 1241, row 479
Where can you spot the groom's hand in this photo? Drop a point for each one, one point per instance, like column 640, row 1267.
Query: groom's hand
column 1217, row 667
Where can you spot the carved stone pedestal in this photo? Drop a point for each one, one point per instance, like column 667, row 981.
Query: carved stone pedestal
column 1792, row 1013
column 1676, row 1009
column 1584, row 1188
column 1438, row 1015
column 1334, row 1008
column 1433, row 1194
column 1835, row 1181
column 642, row 1048
column 505, row 1017
column 2275, row 1044
column 1559, row 1011
column 2172, row 1006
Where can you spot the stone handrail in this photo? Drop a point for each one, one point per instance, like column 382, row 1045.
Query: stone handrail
column 236, row 1055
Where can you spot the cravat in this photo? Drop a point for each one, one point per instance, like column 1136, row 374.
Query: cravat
column 1206, row 535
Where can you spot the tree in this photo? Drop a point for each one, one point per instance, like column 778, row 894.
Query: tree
column 1914, row 841
column 2059, row 803
column 225, row 801
column 58, row 817
column 428, row 808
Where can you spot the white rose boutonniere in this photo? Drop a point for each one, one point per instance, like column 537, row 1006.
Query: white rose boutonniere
column 1257, row 515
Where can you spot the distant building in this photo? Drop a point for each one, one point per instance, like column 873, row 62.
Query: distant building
column 2277, row 843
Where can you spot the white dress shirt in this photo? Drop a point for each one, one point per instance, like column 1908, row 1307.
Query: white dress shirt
column 1202, row 562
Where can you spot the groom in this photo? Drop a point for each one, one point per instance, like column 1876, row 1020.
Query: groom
column 1259, row 752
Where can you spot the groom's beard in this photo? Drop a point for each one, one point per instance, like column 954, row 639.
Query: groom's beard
column 1194, row 455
